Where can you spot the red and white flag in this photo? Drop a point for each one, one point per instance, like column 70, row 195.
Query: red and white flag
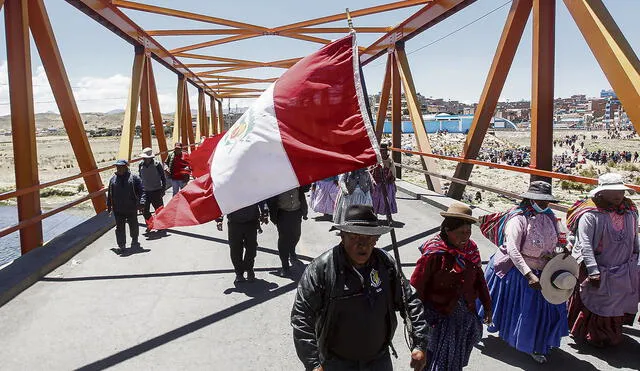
column 312, row 123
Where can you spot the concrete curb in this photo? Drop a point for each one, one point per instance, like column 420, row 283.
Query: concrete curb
column 29, row 268
column 432, row 198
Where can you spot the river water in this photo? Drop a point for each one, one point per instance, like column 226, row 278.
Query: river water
column 52, row 227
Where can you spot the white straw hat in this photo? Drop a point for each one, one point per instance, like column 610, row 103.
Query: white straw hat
column 559, row 278
column 609, row 182
column 147, row 153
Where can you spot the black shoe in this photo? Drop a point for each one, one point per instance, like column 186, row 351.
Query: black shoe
column 135, row 244
column 251, row 276
column 239, row 278
column 120, row 249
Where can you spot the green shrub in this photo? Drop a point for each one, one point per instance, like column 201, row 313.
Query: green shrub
column 590, row 172
column 575, row 186
column 626, row 166
column 48, row 192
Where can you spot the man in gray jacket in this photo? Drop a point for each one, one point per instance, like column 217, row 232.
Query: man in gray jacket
column 123, row 199
column 154, row 183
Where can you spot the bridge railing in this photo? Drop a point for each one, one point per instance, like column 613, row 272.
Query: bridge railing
column 26, row 223
column 518, row 169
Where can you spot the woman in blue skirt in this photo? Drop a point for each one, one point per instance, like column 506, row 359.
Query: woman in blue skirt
column 521, row 315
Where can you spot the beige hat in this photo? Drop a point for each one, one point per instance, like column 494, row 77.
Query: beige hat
column 609, row 182
column 147, row 153
column 459, row 210
column 559, row 278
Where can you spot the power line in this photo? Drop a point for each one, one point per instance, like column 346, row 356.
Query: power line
column 461, row 28
column 453, row 32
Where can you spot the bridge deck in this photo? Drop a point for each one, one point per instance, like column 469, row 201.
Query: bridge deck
column 174, row 306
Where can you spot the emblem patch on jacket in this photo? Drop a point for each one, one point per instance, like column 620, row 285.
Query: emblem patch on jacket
column 375, row 278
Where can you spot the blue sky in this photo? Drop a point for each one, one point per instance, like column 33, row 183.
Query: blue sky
column 99, row 63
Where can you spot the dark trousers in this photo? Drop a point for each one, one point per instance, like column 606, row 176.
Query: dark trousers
column 243, row 237
column 289, row 230
column 152, row 198
column 121, row 220
column 381, row 363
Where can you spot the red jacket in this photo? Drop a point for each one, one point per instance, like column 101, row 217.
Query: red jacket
column 439, row 285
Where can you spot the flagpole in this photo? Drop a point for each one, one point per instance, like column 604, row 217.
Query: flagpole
column 394, row 242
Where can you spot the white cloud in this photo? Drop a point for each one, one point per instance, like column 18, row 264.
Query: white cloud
column 92, row 94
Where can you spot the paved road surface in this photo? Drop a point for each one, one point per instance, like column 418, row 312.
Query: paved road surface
column 174, row 306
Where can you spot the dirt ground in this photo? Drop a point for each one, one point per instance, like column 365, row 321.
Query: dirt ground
column 56, row 160
column 515, row 182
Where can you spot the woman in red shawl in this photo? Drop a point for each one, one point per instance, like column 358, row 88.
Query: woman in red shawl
column 449, row 279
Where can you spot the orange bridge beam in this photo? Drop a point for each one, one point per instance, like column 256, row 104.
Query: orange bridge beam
column 23, row 124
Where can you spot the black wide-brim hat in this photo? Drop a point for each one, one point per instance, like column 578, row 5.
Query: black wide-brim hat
column 360, row 219
column 539, row 190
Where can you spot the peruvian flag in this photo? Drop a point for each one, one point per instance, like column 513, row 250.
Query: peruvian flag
column 312, row 123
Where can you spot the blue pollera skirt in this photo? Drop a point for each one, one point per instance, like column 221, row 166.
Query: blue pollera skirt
column 521, row 315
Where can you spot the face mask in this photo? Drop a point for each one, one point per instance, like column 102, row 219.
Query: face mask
column 537, row 208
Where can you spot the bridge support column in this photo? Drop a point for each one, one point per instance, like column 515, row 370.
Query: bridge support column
column 544, row 17
column 415, row 113
column 156, row 113
column 612, row 51
column 220, row 117
column 45, row 41
column 178, row 134
column 188, row 122
column 384, row 99
column 213, row 120
column 396, row 115
column 145, row 105
column 131, row 112
column 502, row 60
column 23, row 124
column 201, row 128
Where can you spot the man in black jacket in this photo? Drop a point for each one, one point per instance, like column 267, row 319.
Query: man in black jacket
column 243, row 227
column 286, row 211
column 343, row 316
column 123, row 199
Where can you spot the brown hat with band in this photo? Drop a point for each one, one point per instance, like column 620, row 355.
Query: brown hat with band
column 459, row 210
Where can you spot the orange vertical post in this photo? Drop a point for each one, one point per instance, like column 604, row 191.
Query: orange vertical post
column 156, row 113
column 189, row 118
column 178, row 135
column 544, row 16
column 202, row 116
column 23, row 124
column 45, row 41
column 384, row 99
column 145, row 105
column 396, row 114
column 184, row 131
column 502, row 60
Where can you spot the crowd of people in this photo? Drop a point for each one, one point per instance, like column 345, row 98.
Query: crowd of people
column 539, row 286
